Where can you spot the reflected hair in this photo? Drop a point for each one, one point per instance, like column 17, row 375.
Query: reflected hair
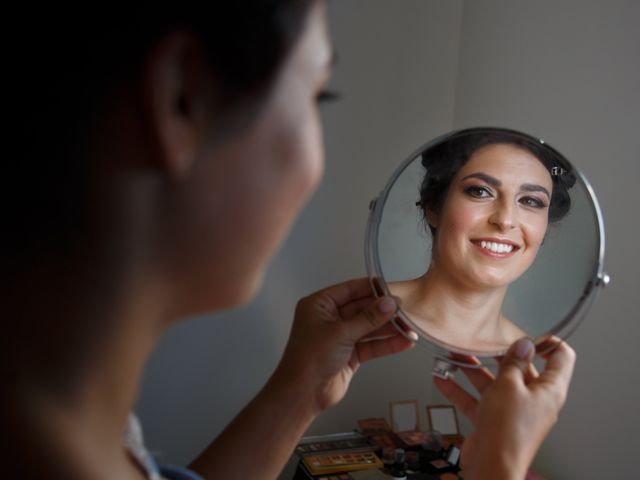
column 443, row 161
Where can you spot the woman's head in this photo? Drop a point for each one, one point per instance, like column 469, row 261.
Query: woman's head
column 194, row 84
column 180, row 142
column 488, row 198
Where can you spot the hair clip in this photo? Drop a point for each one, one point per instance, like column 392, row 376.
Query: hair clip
column 557, row 171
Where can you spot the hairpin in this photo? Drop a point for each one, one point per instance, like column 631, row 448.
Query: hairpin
column 557, row 171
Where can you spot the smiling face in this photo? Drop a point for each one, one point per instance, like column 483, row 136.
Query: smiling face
column 494, row 217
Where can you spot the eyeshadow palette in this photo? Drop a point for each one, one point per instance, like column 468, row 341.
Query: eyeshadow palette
column 346, row 461
column 412, row 439
column 355, row 442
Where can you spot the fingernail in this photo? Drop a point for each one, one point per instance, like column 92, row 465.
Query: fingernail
column 387, row 305
column 522, row 349
column 413, row 336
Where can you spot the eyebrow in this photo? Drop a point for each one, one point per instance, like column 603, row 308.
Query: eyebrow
column 494, row 182
column 532, row 187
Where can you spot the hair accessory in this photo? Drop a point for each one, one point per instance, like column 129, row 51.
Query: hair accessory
column 557, row 171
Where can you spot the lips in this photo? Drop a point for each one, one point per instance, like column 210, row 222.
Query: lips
column 496, row 247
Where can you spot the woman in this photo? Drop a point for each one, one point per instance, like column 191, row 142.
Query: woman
column 488, row 196
column 161, row 162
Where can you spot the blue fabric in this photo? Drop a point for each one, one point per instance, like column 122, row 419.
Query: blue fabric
column 171, row 472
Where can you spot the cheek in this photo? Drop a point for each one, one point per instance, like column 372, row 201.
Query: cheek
column 308, row 155
column 535, row 229
column 301, row 159
column 459, row 222
column 292, row 127
column 289, row 140
column 285, row 168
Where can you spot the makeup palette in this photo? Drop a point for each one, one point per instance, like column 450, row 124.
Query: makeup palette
column 336, row 461
column 353, row 442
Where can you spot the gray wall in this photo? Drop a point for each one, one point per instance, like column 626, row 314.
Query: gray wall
column 570, row 72
column 408, row 71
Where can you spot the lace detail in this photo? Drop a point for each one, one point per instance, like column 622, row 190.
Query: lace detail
column 133, row 440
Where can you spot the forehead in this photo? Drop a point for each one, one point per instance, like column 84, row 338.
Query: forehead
column 508, row 163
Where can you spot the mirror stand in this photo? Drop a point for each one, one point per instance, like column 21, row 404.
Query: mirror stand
column 443, row 369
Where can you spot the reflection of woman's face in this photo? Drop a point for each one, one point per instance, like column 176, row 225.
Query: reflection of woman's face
column 494, row 217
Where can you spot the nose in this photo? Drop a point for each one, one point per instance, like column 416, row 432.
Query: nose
column 504, row 215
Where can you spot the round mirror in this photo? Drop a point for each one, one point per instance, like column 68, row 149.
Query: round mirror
column 486, row 235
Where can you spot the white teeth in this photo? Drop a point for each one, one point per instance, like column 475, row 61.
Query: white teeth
column 496, row 247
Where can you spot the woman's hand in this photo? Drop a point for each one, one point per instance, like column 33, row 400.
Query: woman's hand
column 334, row 331
column 516, row 410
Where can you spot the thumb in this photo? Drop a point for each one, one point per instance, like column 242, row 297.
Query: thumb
column 517, row 358
column 372, row 317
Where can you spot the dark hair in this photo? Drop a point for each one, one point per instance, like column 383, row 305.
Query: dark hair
column 443, row 160
column 66, row 70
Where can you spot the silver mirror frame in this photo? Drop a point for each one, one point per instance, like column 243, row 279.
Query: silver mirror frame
column 446, row 354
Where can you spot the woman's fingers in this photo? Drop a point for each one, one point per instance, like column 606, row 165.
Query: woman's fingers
column 558, row 371
column 348, row 291
column 531, row 374
column 516, row 364
column 370, row 349
column 354, row 307
column 463, row 400
column 387, row 330
column 371, row 319
column 480, row 378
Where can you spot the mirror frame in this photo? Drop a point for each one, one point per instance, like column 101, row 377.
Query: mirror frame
column 452, row 354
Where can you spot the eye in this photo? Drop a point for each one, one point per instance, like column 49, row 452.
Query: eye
column 533, row 202
column 327, row 96
column 477, row 191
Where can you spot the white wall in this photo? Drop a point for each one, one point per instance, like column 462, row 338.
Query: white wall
column 408, row 71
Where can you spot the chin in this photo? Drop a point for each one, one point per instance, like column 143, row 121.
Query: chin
column 252, row 288
column 243, row 292
column 233, row 294
column 484, row 281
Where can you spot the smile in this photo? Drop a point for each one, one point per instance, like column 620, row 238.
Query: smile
column 496, row 249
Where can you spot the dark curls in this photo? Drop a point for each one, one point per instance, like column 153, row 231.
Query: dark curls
column 443, row 160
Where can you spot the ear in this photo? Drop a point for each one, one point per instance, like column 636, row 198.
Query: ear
column 177, row 88
column 432, row 217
